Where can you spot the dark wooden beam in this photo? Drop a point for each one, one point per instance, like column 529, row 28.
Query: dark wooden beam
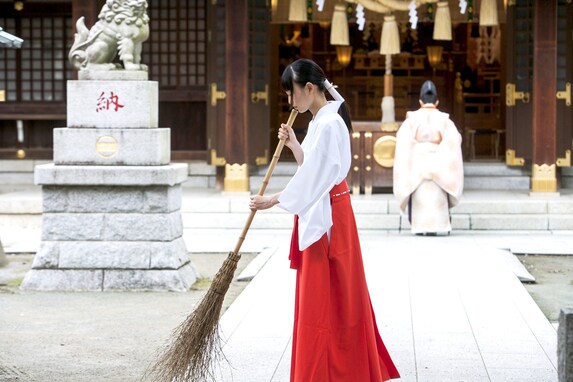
column 183, row 95
column 31, row 153
column 34, row 9
column 33, row 110
column 182, row 155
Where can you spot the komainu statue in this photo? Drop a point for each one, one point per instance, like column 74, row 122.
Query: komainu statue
column 122, row 28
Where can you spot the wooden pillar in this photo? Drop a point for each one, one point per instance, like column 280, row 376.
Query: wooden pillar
column 89, row 9
column 544, row 116
column 237, row 87
column 86, row 8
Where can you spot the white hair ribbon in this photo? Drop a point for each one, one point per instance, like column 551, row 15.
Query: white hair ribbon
column 332, row 90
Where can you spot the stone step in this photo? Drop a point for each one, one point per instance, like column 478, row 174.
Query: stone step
column 469, row 222
column 481, row 208
column 278, row 182
column 478, row 176
column 566, row 177
column 392, row 222
column 493, row 169
column 478, row 210
column 495, row 176
column 381, row 212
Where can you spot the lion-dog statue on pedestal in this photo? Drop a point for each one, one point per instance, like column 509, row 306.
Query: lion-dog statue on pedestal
column 122, row 28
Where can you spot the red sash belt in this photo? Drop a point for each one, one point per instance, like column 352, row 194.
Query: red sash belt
column 295, row 253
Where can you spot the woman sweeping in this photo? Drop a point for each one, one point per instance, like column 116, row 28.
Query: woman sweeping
column 335, row 338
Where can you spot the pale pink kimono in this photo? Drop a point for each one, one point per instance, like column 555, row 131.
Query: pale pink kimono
column 428, row 169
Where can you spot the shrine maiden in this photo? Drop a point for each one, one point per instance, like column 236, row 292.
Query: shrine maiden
column 335, row 337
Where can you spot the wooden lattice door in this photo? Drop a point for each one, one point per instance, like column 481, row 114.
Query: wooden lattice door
column 176, row 54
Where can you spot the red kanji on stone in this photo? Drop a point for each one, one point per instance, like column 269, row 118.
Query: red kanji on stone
column 108, row 103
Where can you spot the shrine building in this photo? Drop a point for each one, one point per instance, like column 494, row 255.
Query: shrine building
column 503, row 70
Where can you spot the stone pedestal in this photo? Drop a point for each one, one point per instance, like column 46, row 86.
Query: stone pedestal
column 565, row 345
column 3, row 259
column 111, row 199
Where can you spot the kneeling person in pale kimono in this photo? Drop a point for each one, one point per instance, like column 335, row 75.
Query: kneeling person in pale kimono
column 428, row 166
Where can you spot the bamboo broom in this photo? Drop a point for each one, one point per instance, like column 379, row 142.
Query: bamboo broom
column 196, row 343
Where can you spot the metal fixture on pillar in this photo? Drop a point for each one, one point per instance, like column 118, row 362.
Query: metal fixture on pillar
column 434, row 56
column 488, row 13
column 297, row 11
column 19, row 5
column 389, row 45
column 443, row 22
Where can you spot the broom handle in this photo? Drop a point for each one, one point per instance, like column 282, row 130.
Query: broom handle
column 272, row 166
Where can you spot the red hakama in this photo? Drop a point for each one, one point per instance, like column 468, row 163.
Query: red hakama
column 335, row 337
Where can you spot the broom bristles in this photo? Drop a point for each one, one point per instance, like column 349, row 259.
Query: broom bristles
column 196, row 343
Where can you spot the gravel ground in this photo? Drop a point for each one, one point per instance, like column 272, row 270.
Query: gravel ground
column 553, row 287
column 91, row 336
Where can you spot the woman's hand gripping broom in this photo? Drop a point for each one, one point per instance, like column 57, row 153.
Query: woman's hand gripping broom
column 195, row 343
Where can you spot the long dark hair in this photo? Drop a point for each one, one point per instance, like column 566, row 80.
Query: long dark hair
column 304, row 70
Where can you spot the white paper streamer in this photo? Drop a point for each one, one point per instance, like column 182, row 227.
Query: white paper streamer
column 320, row 5
column 413, row 13
column 360, row 20
column 463, row 6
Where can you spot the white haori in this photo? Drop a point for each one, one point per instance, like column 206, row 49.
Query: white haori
column 326, row 163
column 428, row 169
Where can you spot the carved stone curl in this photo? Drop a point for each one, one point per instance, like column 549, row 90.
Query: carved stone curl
column 122, row 28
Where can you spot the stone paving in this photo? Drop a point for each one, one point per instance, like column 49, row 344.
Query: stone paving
column 449, row 309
